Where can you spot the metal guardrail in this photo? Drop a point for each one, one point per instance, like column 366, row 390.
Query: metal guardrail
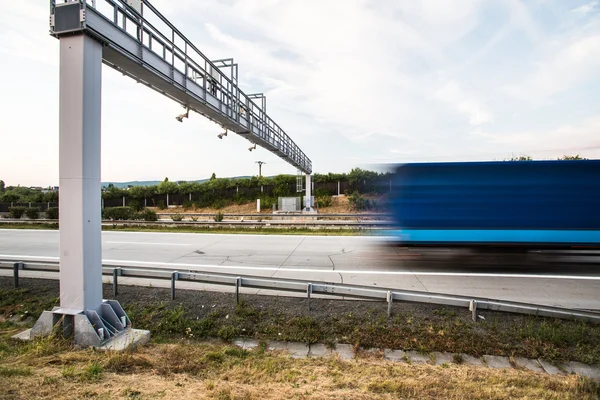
column 232, row 224
column 311, row 288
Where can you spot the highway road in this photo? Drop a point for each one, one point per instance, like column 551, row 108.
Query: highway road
column 563, row 280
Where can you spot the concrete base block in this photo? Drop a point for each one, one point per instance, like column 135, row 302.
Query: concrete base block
column 526, row 363
column 24, row 336
column 319, row 350
column 497, row 362
column 129, row 339
column 250, row 344
column 395, row 355
column 418, row 358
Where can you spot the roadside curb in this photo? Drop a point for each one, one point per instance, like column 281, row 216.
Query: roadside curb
column 347, row 352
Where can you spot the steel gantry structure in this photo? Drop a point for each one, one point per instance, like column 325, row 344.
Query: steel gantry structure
column 132, row 37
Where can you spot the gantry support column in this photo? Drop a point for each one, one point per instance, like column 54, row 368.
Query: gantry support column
column 79, row 173
column 308, row 206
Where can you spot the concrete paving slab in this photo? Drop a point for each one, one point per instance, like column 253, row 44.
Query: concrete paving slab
column 395, row 355
column 319, row 350
column 583, row 369
column 470, row 360
column 297, row 349
column 239, row 342
column 443, row 358
column 550, row 368
column 129, row 339
column 529, row 364
column 276, row 345
column 344, row 351
column 250, row 344
column 498, row 362
column 418, row 358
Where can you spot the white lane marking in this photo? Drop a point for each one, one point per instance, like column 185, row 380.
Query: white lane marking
column 125, row 263
column 153, row 244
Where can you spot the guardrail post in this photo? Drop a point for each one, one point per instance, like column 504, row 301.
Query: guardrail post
column 115, row 281
column 238, row 284
column 308, row 293
column 174, row 277
column 473, row 309
column 16, row 267
column 390, row 300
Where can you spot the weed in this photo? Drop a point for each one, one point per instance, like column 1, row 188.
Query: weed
column 458, row 358
column 49, row 380
column 177, row 217
column 68, row 371
column 228, row 333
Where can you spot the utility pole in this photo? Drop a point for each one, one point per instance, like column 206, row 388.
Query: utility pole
column 260, row 164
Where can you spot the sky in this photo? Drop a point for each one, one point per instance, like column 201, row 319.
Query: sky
column 355, row 83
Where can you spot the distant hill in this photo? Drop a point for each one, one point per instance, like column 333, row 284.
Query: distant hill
column 122, row 185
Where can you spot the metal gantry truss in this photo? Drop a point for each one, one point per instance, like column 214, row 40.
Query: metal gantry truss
column 142, row 44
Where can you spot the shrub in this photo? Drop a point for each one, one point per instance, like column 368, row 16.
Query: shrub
column 358, row 202
column 219, row 217
column 32, row 212
column 161, row 205
column 220, row 203
column 194, row 218
column 177, row 217
column 16, row 212
column 324, row 201
column 147, row 215
column 188, row 204
column 118, row 213
column 52, row 213
column 136, row 205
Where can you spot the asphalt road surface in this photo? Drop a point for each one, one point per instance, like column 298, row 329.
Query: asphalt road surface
column 565, row 279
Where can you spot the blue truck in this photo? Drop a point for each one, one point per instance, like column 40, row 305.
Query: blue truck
column 530, row 204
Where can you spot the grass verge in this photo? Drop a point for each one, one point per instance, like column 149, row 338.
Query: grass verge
column 198, row 315
column 213, row 370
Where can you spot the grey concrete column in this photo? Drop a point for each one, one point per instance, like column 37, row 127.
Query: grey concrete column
column 307, row 200
column 79, row 173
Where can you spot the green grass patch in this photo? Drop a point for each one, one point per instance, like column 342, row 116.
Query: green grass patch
column 199, row 229
column 14, row 371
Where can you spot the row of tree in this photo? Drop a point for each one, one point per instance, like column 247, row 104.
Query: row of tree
column 282, row 185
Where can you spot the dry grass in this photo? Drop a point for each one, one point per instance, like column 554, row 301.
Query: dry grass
column 216, row 371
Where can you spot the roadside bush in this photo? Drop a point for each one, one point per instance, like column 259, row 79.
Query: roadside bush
column 136, row 205
column 161, row 205
column 218, row 204
column 118, row 213
column 219, row 217
column 324, row 201
column 52, row 213
column 358, row 202
column 147, row 215
column 32, row 212
column 188, row 204
column 16, row 212
column 177, row 217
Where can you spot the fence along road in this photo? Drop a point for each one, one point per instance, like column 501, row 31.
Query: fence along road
column 363, row 261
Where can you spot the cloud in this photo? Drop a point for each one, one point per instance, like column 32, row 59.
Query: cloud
column 572, row 63
column 465, row 104
column 586, row 8
column 581, row 138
